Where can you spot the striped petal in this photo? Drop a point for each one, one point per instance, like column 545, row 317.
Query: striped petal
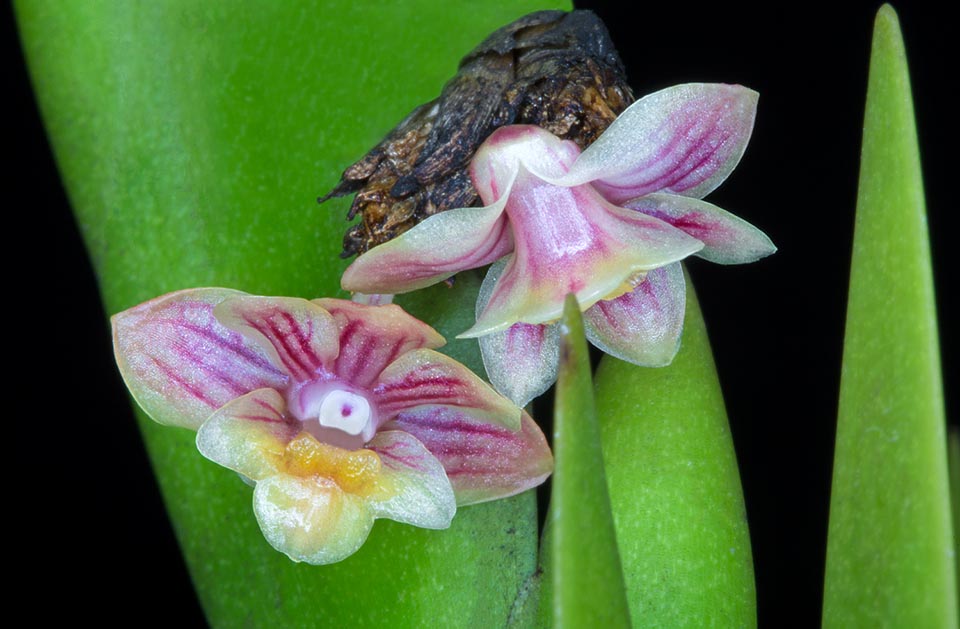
column 643, row 326
column 727, row 239
column 249, row 435
column 685, row 139
column 181, row 364
column 412, row 486
column 522, row 360
column 299, row 335
column 372, row 337
column 571, row 240
column 483, row 461
column 311, row 519
column 434, row 250
column 425, row 378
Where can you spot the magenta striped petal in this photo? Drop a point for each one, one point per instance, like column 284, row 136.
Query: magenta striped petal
column 434, row 250
column 372, row 337
column 644, row 326
column 684, row 139
column 249, row 434
column 483, row 461
column 521, row 361
column 181, row 364
column 412, row 486
column 424, row 377
column 300, row 336
column 727, row 239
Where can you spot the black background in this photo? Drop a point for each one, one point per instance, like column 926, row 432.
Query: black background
column 92, row 523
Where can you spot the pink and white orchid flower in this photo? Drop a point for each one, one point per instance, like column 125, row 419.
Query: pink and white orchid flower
column 610, row 225
column 338, row 412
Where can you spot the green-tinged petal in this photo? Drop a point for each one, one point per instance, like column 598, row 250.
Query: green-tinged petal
column 181, row 364
column 412, row 486
column 584, row 563
column 643, row 326
column 520, row 361
column 434, row 250
column 890, row 540
column 371, row 337
column 311, row 519
column 685, row 139
column 675, row 489
column 249, row 434
column 727, row 239
column 425, row 378
column 299, row 335
column 483, row 461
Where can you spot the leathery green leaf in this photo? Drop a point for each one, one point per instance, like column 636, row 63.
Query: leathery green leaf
column 890, row 545
column 194, row 138
column 582, row 562
column 675, row 488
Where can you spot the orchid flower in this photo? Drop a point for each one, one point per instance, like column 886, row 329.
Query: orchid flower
column 337, row 412
column 610, row 225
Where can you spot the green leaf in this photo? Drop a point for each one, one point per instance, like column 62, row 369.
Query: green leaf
column 675, row 488
column 582, row 563
column 194, row 138
column 953, row 467
column 890, row 544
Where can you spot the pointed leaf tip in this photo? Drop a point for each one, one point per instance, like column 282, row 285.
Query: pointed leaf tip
column 890, row 541
column 586, row 575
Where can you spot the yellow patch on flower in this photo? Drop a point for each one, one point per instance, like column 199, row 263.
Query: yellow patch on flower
column 355, row 471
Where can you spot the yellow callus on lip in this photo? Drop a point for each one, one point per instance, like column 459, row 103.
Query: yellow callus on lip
column 355, row 471
column 627, row 286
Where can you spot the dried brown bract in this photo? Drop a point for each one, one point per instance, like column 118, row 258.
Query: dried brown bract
column 553, row 69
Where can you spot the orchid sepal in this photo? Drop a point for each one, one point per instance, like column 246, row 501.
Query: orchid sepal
column 727, row 239
column 685, row 139
column 426, row 378
column 483, row 461
column 643, row 326
column 436, row 249
column 181, row 364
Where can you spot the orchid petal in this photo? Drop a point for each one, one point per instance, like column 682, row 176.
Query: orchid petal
column 432, row 251
column 643, row 326
column 483, row 461
column 582, row 245
column 424, row 377
column 372, row 337
column 248, row 435
column 522, row 360
column 412, row 486
column 727, row 239
column 181, row 364
column 300, row 336
column 311, row 519
column 497, row 162
column 684, row 139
